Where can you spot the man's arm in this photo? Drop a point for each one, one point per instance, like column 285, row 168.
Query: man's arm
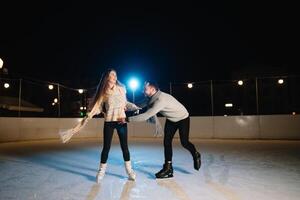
column 156, row 108
column 143, row 103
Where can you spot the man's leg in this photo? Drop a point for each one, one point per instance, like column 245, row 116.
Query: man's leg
column 170, row 130
column 184, row 132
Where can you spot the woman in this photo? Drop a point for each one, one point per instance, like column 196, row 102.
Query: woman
column 110, row 99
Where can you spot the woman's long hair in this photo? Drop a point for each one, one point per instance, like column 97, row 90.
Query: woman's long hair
column 103, row 86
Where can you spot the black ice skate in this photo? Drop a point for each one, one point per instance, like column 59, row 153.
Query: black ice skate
column 197, row 160
column 165, row 172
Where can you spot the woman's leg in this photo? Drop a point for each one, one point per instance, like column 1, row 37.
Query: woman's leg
column 123, row 137
column 108, row 131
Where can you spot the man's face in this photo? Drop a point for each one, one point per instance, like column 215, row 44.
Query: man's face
column 149, row 90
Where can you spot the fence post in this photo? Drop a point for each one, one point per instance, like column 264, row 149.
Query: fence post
column 20, row 95
column 212, row 97
column 256, row 91
column 58, row 98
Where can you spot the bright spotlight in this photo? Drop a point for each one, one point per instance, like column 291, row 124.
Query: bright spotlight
column 133, row 84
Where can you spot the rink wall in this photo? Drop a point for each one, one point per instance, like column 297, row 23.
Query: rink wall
column 218, row 127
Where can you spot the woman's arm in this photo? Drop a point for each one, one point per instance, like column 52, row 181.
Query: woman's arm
column 97, row 109
column 131, row 107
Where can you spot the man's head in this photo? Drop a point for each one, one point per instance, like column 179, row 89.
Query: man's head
column 150, row 88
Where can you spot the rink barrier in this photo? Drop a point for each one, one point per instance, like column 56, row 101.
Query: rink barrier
column 217, row 127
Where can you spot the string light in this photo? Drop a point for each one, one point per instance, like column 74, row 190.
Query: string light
column 6, row 85
column 280, row 81
column 190, row 85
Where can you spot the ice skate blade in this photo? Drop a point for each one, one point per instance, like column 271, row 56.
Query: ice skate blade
column 165, row 177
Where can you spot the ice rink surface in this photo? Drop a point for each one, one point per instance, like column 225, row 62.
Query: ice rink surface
column 231, row 169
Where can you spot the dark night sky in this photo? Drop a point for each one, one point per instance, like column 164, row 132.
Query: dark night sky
column 73, row 43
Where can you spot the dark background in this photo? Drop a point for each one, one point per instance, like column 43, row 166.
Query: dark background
column 73, row 43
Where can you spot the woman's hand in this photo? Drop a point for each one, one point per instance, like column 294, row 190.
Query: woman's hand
column 121, row 120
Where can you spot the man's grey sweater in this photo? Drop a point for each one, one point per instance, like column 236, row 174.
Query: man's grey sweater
column 164, row 104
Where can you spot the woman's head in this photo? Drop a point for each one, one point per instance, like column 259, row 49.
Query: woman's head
column 108, row 78
column 112, row 76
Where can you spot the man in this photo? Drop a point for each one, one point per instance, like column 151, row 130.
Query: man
column 177, row 118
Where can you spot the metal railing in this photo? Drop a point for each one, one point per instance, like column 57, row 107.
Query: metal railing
column 257, row 96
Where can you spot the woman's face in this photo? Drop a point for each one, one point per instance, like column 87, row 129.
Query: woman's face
column 112, row 77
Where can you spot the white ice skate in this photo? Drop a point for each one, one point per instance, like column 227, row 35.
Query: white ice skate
column 131, row 174
column 101, row 172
